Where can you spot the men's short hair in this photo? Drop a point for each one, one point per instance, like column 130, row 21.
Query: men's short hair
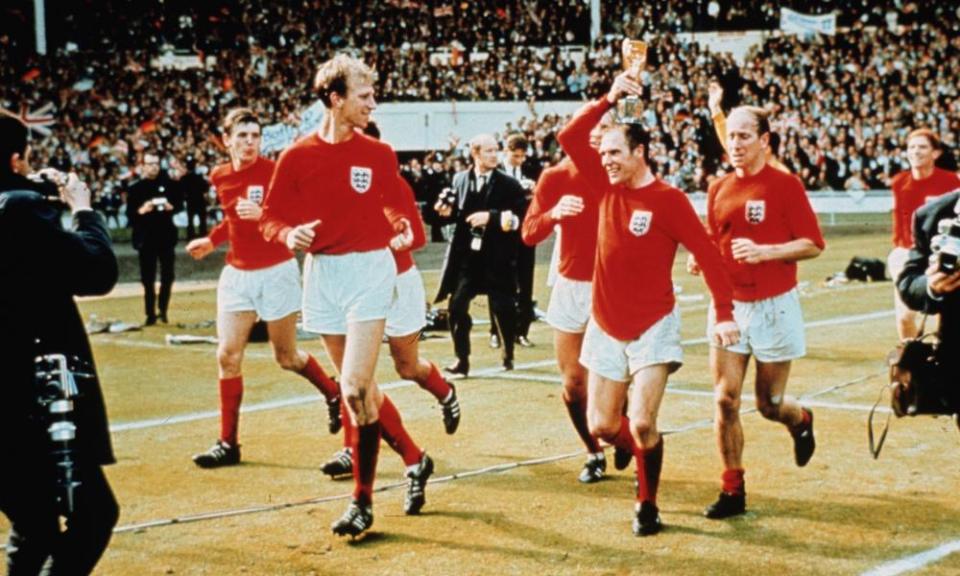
column 775, row 143
column 635, row 135
column 477, row 141
column 238, row 116
column 333, row 74
column 517, row 141
column 929, row 134
column 761, row 117
column 13, row 140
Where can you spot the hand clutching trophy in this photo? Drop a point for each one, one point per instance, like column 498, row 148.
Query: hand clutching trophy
column 634, row 57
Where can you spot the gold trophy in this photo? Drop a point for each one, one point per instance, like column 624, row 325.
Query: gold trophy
column 634, row 56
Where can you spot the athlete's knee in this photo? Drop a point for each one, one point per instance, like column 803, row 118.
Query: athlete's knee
column 229, row 360
column 643, row 425
column 769, row 406
column 728, row 403
column 405, row 368
column 603, row 428
column 574, row 388
column 288, row 358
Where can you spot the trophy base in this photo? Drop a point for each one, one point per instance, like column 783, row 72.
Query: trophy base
column 630, row 111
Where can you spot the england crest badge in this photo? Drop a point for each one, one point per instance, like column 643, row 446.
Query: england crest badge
column 640, row 222
column 756, row 211
column 255, row 194
column 361, row 178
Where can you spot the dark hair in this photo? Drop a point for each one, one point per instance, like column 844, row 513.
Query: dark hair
column 774, row 143
column 635, row 136
column 372, row 130
column 517, row 142
column 13, row 140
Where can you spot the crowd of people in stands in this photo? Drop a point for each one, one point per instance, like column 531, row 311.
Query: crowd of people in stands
column 843, row 104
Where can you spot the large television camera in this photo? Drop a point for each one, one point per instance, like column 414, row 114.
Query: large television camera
column 946, row 245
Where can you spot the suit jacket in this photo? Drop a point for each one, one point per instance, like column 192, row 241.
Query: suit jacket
column 498, row 253
column 154, row 228
column 43, row 267
column 912, row 282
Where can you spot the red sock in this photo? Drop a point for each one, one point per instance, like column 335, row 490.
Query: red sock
column 396, row 435
column 578, row 415
column 733, row 481
column 624, row 439
column 231, row 395
column 349, row 430
column 313, row 372
column 649, row 465
column 365, row 453
column 436, row 384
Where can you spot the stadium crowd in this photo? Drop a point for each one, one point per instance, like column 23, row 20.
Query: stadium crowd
column 843, row 104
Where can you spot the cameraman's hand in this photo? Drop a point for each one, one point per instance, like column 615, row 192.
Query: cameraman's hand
column 147, row 207
column 569, row 205
column 75, row 193
column 623, row 85
column 726, row 333
column 199, row 248
column 444, row 210
column 301, row 237
column 248, row 209
column 939, row 283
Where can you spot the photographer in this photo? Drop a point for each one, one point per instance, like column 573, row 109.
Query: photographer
column 926, row 287
column 43, row 267
column 151, row 203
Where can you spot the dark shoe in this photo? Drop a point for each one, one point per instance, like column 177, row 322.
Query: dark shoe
column 508, row 365
column 150, row 321
column 340, row 465
column 334, row 421
column 524, row 341
column 646, row 522
column 621, row 458
column 163, row 318
column 593, row 470
column 355, row 521
column 416, row 486
column 459, row 367
column 804, row 444
column 727, row 505
column 494, row 341
column 451, row 411
column 220, row 454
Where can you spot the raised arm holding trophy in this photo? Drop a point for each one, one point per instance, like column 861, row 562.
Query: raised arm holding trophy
column 634, row 56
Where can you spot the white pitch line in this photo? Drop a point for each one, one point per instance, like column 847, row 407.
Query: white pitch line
column 493, row 371
column 915, row 561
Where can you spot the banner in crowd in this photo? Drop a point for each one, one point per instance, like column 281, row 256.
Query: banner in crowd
column 276, row 137
column 793, row 22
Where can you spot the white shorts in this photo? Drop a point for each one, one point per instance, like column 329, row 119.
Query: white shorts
column 345, row 288
column 618, row 360
column 772, row 329
column 408, row 313
column 896, row 262
column 570, row 305
column 272, row 292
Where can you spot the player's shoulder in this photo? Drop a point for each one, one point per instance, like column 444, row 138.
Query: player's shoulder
column 265, row 165
column 721, row 181
column 899, row 179
column 220, row 171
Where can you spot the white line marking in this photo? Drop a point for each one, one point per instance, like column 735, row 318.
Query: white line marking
column 916, row 561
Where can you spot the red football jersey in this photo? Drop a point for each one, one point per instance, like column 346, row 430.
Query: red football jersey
column 578, row 238
column 910, row 194
column 770, row 207
column 248, row 250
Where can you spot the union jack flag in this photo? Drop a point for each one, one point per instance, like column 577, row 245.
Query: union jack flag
column 38, row 120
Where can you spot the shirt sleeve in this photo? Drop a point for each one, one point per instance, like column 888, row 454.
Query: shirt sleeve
column 575, row 141
column 800, row 216
column 689, row 229
column 538, row 223
column 412, row 215
column 279, row 204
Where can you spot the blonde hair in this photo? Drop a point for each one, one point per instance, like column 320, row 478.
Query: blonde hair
column 238, row 116
column 761, row 117
column 332, row 76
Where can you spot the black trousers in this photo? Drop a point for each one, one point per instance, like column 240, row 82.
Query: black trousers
column 526, row 261
column 200, row 213
column 504, row 309
column 36, row 544
column 149, row 256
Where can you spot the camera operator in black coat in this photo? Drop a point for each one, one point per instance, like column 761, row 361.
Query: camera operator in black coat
column 926, row 288
column 43, row 267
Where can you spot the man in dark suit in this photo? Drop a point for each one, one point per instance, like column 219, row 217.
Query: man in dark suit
column 151, row 203
column 482, row 255
column 926, row 289
column 524, row 170
column 195, row 188
column 43, row 267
